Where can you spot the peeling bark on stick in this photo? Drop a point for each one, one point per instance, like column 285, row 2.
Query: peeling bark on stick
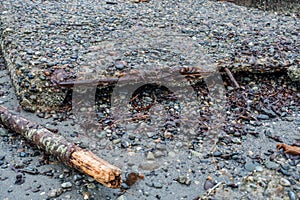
column 56, row 145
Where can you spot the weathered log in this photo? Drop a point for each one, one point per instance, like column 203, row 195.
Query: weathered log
column 56, row 145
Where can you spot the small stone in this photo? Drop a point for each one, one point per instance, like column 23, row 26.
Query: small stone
column 77, row 177
column 209, row 184
column 263, row 117
column 183, row 180
column 292, row 195
column 259, row 168
column 150, row 156
column 55, row 193
column 3, row 132
column 150, row 134
column 23, row 154
column 120, row 64
column 125, row 144
column 284, row 172
column 91, row 185
column 157, row 185
column 86, row 195
column 66, row 185
column 90, row 179
column 236, row 140
column 125, row 186
column 20, row 179
column 148, row 99
column 149, row 166
column 285, row 182
column 116, row 141
column 36, row 188
column 271, row 165
column 122, row 197
column 171, row 154
column 217, row 154
column 250, row 166
column 101, row 135
column 158, row 154
column 130, row 127
column 195, row 153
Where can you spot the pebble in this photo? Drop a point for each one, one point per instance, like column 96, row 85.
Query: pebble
column 269, row 112
column 36, row 187
column 209, row 184
column 259, row 168
column 55, row 193
column 151, row 134
column 122, row 197
column 183, row 180
column 271, row 165
column 263, row 117
column 3, row 132
column 149, row 165
column 120, row 65
column 236, row 140
column 66, row 185
column 117, row 141
column 292, row 195
column 157, row 185
column 22, row 154
column 101, row 135
column 172, row 154
column 125, row 186
column 284, row 182
column 20, row 179
column 158, row 154
column 250, row 166
column 284, row 172
column 150, row 156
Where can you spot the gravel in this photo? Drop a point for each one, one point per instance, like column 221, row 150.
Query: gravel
column 234, row 161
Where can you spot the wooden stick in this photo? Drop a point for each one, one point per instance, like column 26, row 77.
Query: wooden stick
column 293, row 150
column 56, row 145
column 232, row 78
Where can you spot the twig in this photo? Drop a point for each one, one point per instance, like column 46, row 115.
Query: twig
column 232, row 78
column 213, row 188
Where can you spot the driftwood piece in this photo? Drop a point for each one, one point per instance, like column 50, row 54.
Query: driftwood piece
column 293, row 150
column 56, row 145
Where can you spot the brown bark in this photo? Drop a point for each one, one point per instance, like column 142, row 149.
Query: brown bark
column 56, row 145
